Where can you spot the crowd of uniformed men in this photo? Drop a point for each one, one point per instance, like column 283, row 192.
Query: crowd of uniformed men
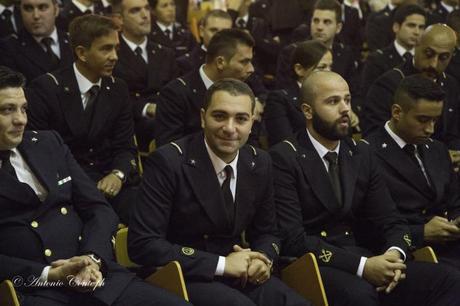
column 357, row 103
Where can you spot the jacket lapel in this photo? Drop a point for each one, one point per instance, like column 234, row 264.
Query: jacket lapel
column 152, row 73
column 32, row 50
column 349, row 164
column 315, row 171
column 66, row 51
column 102, row 107
column 201, row 176
column 245, row 186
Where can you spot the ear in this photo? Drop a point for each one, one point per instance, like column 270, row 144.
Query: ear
column 201, row 30
column 339, row 28
column 220, row 63
column 396, row 112
column 307, row 111
column 80, row 52
column 202, row 115
column 301, row 71
column 56, row 10
column 396, row 27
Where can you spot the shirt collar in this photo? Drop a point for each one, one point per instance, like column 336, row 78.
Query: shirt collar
column 203, row 47
column 207, row 81
column 2, row 8
column 401, row 50
column 218, row 163
column 133, row 46
column 83, row 8
column 164, row 27
column 245, row 18
column 449, row 8
column 53, row 35
column 83, row 83
column 391, row 6
column 322, row 150
column 401, row 143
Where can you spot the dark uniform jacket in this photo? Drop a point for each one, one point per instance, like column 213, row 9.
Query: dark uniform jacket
column 377, row 106
column 55, row 103
column 24, row 54
column 182, row 42
column 145, row 80
column 454, row 66
column 379, row 29
column 181, row 213
column 415, row 200
column 191, row 60
column 379, row 62
column 282, row 114
column 73, row 220
column 438, row 14
column 4, row 29
column 311, row 219
column 70, row 11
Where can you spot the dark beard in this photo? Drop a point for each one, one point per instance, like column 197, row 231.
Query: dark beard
column 329, row 131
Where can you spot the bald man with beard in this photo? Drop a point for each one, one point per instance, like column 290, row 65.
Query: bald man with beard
column 432, row 56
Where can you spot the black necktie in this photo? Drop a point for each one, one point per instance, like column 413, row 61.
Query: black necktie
column 6, row 164
column 240, row 23
column 138, row 52
column 93, row 92
column 228, row 197
column 411, row 150
column 47, row 42
column 332, row 158
column 407, row 57
column 168, row 33
column 6, row 15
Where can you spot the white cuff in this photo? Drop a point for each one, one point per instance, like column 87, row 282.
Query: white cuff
column 220, row 266
column 362, row 263
column 399, row 250
column 144, row 110
column 44, row 275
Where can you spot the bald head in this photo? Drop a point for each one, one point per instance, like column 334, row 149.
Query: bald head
column 318, row 81
column 434, row 51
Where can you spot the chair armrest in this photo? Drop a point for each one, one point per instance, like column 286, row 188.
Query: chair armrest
column 8, row 295
column 170, row 278
column 304, row 277
column 425, row 254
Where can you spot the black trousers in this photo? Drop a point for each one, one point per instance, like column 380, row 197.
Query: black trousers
column 425, row 284
column 137, row 293
column 229, row 293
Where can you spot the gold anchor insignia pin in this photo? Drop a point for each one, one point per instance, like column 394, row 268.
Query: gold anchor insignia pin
column 407, row 239
column 325, row 255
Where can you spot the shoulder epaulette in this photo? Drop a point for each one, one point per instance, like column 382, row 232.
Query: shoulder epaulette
column 254, row 151
column 182, row 81
column 379, row 51
column 365, row 141
column 178, row 148
column 291, row 144
column 400, row 72
column 285, row 92
column 113, row 79
column 431, row 139
column 53, row 78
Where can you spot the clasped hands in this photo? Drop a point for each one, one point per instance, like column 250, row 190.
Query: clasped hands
column 439, row 230
column 80, row 273
column 247, row 265
column 385, row 271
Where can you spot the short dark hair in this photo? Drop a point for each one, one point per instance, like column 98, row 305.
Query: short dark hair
column 233, row 87
column 83, row 30
column 215, row 14
column 415, row 87
column 224, row 43
column 10, row 78
column 403, row 11
column 154, row 3
column 308, row 53
column 453, row 20
column 330, row 5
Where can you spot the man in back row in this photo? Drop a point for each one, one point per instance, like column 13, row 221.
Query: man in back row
column 331, row 200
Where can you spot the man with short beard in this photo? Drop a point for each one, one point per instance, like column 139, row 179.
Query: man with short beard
column 431, row 58
column 331, row 201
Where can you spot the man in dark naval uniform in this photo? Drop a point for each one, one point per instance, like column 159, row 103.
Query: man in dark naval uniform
column 418, row 170
column 39, row 47
column 331, row 201
column 431, row 58
column 55, row 227
column 91, row 111
column 199, row 194
column 143, row 64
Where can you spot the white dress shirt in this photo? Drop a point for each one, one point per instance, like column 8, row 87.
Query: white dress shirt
column 84, row 85
column 163, row 28
column 401, row 50
column 54, row 44
column 11, row 8
column 83, row 8
column 219, row 166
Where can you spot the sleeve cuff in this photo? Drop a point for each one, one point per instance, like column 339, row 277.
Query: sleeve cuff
column 44, row 275
column 362, row 263
column 399, row 250
column 220, row 266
